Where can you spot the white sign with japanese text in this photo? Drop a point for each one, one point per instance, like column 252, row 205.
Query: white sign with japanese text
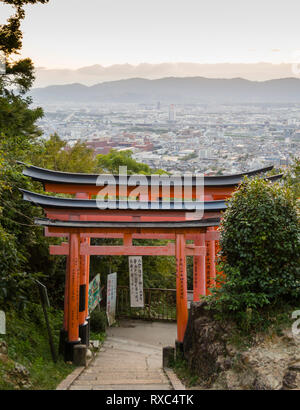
column 111, row 299
column 2, row 323
column 136, row 281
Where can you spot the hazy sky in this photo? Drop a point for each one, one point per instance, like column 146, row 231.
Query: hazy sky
column 76, row 33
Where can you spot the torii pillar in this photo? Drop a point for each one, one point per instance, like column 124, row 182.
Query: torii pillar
column 73, row 280
column 199, row 272
column 181, row 289
column 84, row 319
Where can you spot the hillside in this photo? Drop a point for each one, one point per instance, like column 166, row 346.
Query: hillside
column 221, row 357
column 98, row 73
column 174, row 90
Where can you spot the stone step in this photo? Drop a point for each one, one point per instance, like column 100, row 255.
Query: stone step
column 123, row 387
column 129, row 375
column 113, row 381
column 123, row 364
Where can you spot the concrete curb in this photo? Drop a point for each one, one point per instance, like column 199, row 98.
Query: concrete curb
column 175, row 382
column 66, row 383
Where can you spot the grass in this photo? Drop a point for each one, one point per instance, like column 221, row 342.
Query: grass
column 28, row 344
column 271, row 320
column 98, row 336
column 188, row 378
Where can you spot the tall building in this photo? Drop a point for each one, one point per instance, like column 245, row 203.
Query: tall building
column 172, row 113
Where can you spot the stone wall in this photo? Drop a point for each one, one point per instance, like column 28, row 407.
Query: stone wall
column 271, row 363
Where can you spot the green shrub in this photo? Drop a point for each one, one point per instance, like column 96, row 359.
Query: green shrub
column 260, row 250
column 98, row 321
column 28, row 344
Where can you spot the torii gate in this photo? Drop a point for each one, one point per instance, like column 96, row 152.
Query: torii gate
column 79, row 219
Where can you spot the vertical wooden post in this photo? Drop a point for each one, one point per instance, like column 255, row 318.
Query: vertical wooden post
column 66, row 300
column 196, row 275
column 181, row 287
column 199, row 276
column 84, row 295
column 212, row 253
column 84, row 284
column 63, row 336
column 87, row 277
column 217, row 250
column 73, row 294
column 210, row 263
column 82, row 287
column 207, row 267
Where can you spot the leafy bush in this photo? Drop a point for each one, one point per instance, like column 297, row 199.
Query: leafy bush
column 260, row 250
column 28, row 344
column 292, row 177
column 98, row 321
column 14, row 282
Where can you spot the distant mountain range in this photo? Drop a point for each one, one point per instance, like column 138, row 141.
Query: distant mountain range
column 174, row 90
column 97, row 73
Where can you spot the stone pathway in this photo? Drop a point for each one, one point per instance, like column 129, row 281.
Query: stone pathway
column 127, row 364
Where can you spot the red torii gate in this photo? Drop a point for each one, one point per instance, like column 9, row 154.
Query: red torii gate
column 79, row 219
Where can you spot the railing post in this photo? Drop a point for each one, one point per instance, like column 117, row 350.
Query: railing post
column 181, row 287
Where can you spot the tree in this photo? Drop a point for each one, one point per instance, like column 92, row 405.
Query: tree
column 115, row 159
column 57, row 155
column 17, row 120
column 18, row 136
column 292, row 177
column 260, row 249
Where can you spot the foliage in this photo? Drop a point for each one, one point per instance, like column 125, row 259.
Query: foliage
column 292, row 177
column 98, row 321
column 260, row 250
column 23, row 249
column 184, row 373
column 28, row 344
column 112, row 161
column 98, row 336
column 17, row 120
column 159, row 271
column 57, row 155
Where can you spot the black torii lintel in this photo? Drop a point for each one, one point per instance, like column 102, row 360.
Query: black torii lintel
column 50, row 176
